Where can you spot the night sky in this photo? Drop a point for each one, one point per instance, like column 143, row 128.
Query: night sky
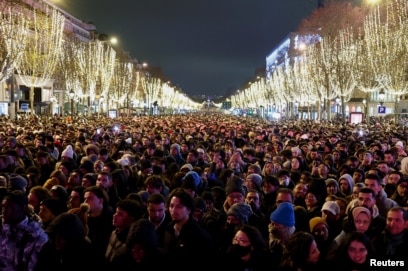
column 203, row 46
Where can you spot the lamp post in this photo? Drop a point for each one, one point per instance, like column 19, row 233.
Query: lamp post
column 101, row 100
column 71, row 97
column 365, row 108
column 381, row 96
column 338, row 107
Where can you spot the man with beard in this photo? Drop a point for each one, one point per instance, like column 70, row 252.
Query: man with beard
column 254, row 198
column 281, row 227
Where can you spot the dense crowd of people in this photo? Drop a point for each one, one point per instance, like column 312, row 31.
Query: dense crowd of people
column 202, row 192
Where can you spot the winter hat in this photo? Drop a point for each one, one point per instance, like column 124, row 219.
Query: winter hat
column 234, row 185
column 189, row 167
column 256, row 178
column 123, row 161
column 55, row 206
column 91, row 147
column 18, row 197
column 68, row 152
column 332, row 207
column 82, row 213
column 17, row 182
column 349, row 179
column 318, row 188
column 331, row 181
column 357, row 210
column 175, row 145
column 284, row 214
column 316, row 221
column 192, row 177
column 240, row 211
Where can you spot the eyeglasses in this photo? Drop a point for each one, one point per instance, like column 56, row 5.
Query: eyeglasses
column 240, row 241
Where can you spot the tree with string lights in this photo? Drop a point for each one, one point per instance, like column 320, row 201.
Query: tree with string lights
column 39, row 60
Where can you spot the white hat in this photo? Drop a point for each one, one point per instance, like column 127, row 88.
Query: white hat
column 68, row 152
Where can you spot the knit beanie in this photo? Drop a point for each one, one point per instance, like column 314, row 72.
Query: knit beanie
column 68, row 152
column 331, row 181
column 191, row 180
column 256, row 178
column 234, row 185
column 284, row 214
column 17, row 182
column 240, row 211
column 316, row 221
column 55, row 206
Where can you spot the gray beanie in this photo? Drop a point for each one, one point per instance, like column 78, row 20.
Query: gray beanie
column 175, row 145
column 240, row 211
column 256, row 178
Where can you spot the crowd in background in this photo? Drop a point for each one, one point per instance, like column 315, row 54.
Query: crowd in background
column 202, row 192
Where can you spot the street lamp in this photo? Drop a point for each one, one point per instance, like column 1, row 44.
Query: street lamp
column 381, row 96
column 338, row 106
column 71, row 97
column 101, row 100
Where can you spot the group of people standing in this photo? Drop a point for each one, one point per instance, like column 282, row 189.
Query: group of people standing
column 202, row 192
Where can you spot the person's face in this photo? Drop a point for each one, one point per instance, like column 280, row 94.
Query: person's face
column 178, row 211
column 156, row 212
column 332, row 189
column 283, row 197
column 252, row 198
column 45, row 214
column 357, row 177
column 389, row 159
column 373, row 184
column 95, row 203
column 383, row 167
column 357, row 252
column 268, row 188
column 11, row 212
column 395, row 223
column 300, row 190
column 344, row 185
column 314, row 253
column 241, row 238
column 33, row 201
column 366, row 200
column 121, row 219
column 104, row 181
column 393, row 178
column 362, row 222
column 310, row 200
column 74, row 179
column 74, row 199
column 294, row 163
column 322, row 170
column 402, row 189
column 235, row 197
column 138, row 252
column 321, row 230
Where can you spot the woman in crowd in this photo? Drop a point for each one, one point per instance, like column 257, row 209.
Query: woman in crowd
column 247, row 251
column 300, row 253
